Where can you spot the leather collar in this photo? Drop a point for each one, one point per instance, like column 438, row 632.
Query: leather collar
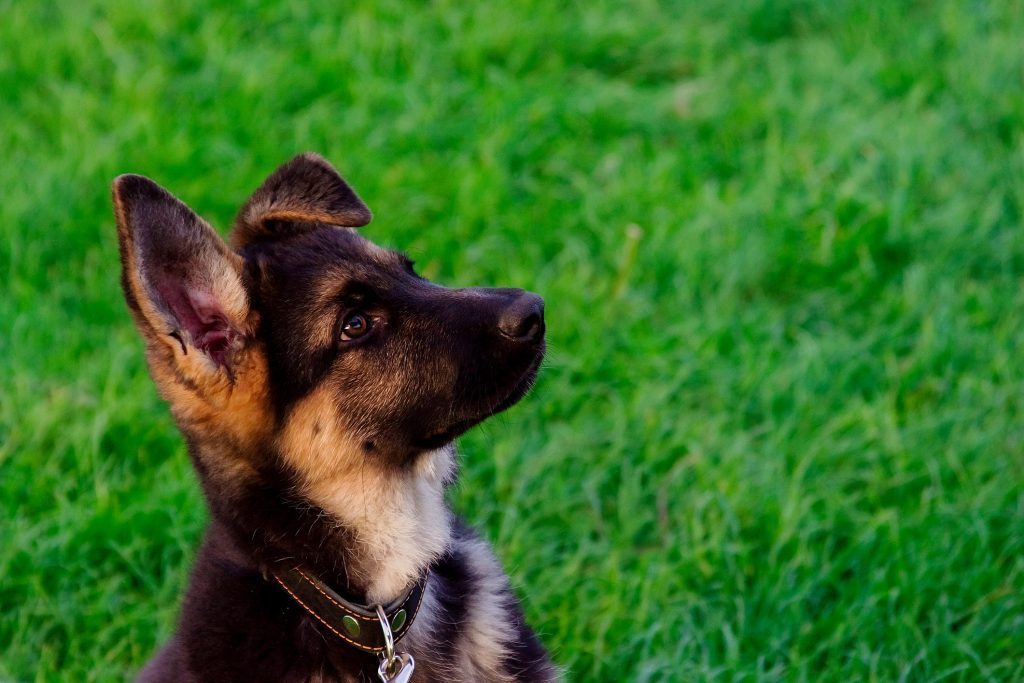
column 354, row 623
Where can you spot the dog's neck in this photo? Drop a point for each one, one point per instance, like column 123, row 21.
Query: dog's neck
column 398, row 517
column 368, row 531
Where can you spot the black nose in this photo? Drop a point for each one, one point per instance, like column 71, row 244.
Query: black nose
column 522, row 319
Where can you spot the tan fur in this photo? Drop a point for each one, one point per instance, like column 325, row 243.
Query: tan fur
column 264, row 211
column 399, row 515
column 207, row 401
column 231, row 415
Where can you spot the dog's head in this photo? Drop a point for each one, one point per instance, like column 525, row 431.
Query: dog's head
column 306, row 336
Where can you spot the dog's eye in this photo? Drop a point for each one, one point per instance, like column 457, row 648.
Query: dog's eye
column 354, row 326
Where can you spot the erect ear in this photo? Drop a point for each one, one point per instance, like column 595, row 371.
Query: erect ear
column 296, row 197
column 181, row 281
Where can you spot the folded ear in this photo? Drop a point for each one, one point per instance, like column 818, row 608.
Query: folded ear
column 296, row 197
column 183, row 284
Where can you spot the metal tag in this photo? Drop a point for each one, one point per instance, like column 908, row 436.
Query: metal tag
column 401, row 666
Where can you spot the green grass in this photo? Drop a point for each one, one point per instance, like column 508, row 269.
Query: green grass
column 780, row 433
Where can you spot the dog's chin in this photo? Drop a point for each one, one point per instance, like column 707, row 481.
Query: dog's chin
column 436, row 440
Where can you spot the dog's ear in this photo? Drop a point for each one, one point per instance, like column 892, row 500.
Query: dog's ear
column 302, row 193
column 183, row 284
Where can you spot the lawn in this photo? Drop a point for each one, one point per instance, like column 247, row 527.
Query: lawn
column 780, row 433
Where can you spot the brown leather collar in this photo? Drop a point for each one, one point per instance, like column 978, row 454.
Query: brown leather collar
column 354, row 623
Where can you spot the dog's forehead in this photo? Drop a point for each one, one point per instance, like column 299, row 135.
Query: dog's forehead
column 330, row 252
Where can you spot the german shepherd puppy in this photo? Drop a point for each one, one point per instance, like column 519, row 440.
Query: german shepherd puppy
column 319, row 383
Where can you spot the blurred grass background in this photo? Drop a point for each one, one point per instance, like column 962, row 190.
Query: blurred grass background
column 779, row 436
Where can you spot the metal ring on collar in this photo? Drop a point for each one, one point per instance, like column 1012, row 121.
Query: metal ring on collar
column 388, row 656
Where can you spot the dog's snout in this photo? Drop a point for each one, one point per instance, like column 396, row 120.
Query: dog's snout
column 523, row 318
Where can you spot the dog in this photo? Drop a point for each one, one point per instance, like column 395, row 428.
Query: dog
column 319, row 383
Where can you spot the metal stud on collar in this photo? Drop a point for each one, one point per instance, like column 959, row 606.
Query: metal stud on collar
column 394, row 667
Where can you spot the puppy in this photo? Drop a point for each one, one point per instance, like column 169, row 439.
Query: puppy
column 319, row 383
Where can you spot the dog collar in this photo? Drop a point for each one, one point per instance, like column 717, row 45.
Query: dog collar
column 358, row 625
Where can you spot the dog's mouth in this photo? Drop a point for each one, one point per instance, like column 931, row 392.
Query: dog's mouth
column 439, row 438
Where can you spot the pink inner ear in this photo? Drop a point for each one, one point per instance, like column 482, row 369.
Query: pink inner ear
column 201, row 315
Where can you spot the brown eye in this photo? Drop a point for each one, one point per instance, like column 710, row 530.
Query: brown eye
column 354, row 326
